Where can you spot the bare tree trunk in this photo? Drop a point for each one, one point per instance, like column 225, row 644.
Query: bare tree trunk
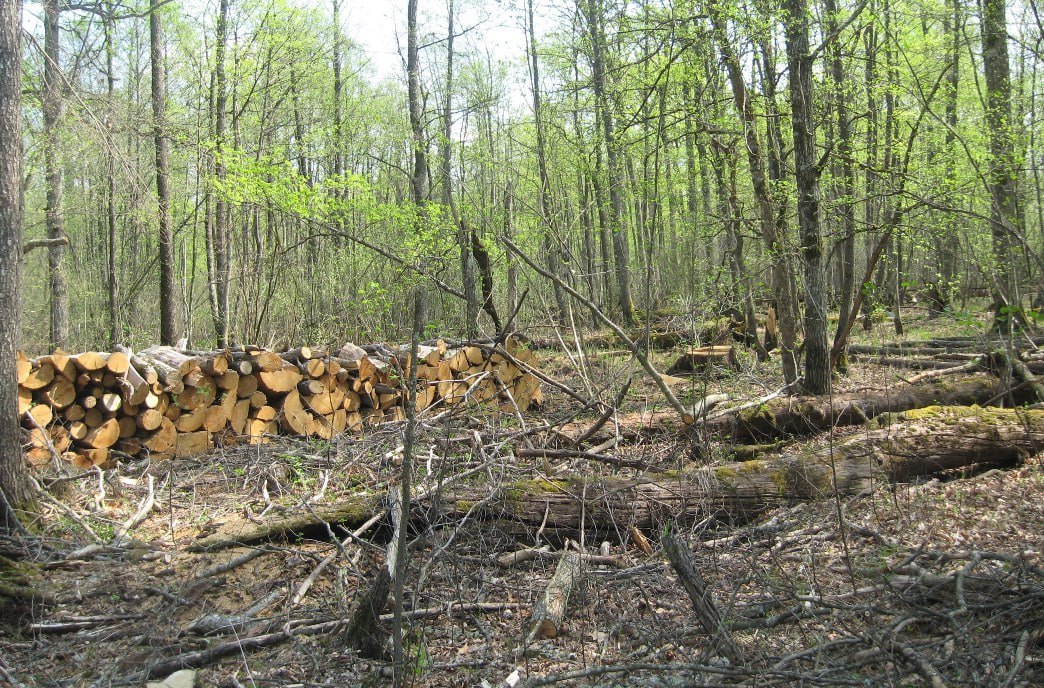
column 621, row 246
column 551, row 238
column 817, row 350
column 112, row 269
column 15, row 492
column 774, row 240
column 844, row 154
column 464, row 234
column 168, row 328
column 52, row 100
column 338, row 92
column 221, row 245
column 419, row 177
column 1005, row 219
column 512, row 262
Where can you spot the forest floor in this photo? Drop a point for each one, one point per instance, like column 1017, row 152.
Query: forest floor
column 937, row 583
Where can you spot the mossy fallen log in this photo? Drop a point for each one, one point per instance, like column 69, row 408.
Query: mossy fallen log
column 895, row 447
column 799, row 416
column 238, row 530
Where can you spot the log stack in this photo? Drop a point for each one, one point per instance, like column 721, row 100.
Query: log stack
column 92, row 407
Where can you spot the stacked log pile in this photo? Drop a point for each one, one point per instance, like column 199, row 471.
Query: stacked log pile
column 92, row 407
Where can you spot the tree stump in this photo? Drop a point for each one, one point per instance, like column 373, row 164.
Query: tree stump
column 699, row 359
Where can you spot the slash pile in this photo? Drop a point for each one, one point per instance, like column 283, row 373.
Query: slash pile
column 93, row 407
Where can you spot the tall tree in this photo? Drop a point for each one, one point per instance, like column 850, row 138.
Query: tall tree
column 157, row 55
column 594, row 11
column 419, row 189
column 1005, row 219
column 220, row 249
column 52, row 101
column 841, row 93
column 467, row 260
column 771, row 233
column 799, row 60
column 551, row 238
column 112, row 268
column 15, row 492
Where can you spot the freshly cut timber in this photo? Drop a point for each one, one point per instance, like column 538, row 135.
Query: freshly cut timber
column 167, row 401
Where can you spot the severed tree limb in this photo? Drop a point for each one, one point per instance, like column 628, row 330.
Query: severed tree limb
column 540, row 452
column 34, row 244
column 550, row 608
column 146, row 506
column 193, row 660
column 657, row 377
column 227, row 566
column 683, row 563
column 897, row 448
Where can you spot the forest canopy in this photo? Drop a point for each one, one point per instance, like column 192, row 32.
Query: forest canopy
column 249, row 165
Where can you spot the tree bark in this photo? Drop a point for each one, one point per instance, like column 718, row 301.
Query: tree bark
column 817, row 350
column 1003, row 170
column 774, row 240
column 157, row 51
column 551, row 238
column 112, row 268
column 469, row 286
column 621, row 246
column 931, row 441
column 919, row 443
column 52, row 101
column 419, row 177
column 841, row 93
column 220, row 248
column 801, row 416
column 15, row 492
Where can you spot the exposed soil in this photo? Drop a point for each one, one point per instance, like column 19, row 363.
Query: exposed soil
column 940, row 583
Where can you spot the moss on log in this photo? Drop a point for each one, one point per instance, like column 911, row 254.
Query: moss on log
column 923, row 442
column 242, row 531
column 800, row 416
column 895, row 447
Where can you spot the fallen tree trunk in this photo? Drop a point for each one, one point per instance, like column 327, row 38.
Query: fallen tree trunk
column 808, row 415
column 923, row 442
column 909, row 363
column 793, row 416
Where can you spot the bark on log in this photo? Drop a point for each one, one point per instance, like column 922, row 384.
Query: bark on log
column 800, row 416
column 684, row 564
column 550, row 608
column 809, row 415
column 922, row 442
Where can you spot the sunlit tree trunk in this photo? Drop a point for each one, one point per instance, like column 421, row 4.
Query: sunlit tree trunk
column 168, row 328
column 551, row 242
column 841, row 94
column 220, row 249
column 52, row 100
column 1003, row 169
column 467, row 260
column 621, row 246
column 111, row 267
column 15, row 492
column 817, row 351
column 782, row 270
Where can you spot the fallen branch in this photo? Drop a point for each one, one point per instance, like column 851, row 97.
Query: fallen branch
column 683, row 563
column 550, row 608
